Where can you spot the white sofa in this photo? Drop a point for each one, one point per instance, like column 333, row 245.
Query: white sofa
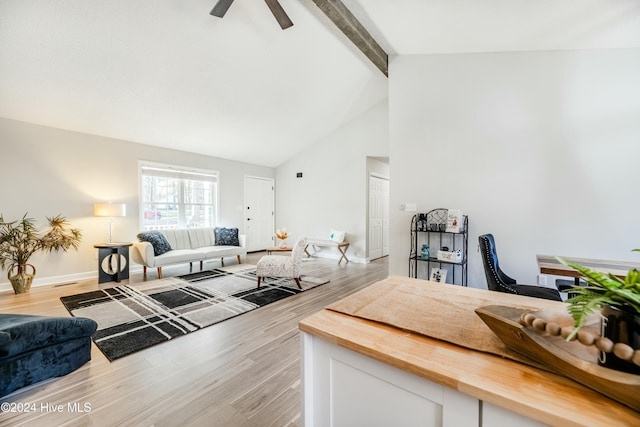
column 187, row 245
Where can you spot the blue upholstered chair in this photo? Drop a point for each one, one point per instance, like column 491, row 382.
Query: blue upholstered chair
column 36, row 348
column 497, row 280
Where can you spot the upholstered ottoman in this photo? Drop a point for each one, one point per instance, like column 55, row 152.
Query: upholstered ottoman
column 35, row 348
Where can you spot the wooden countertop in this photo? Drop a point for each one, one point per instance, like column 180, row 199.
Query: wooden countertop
column 534, row 393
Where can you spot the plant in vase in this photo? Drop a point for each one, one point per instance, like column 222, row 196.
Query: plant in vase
column 282, row 234
column 618, row 300
column 425, row 251
column 20, row 239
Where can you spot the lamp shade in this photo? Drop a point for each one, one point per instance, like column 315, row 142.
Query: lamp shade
column 109, row 209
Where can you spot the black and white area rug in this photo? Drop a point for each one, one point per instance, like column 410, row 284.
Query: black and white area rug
column 134, row 317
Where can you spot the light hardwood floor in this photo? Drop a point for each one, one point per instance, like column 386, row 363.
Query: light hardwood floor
column 242, row 372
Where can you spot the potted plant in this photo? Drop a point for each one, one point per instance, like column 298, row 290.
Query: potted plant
column 282, row 234
column 21, row 238
column 618, row 300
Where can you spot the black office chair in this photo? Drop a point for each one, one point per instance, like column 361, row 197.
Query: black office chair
column 497, row 280
column 564, row 285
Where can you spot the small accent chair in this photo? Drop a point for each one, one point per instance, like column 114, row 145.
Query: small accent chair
column 497, row 280
column 283, row 266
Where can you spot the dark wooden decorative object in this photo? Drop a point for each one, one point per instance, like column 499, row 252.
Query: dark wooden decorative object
column 569, row 359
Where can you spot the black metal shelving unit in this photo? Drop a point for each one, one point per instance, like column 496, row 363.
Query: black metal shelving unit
column 428, row 228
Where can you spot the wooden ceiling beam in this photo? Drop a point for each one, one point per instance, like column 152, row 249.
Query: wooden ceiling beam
column 338, row 13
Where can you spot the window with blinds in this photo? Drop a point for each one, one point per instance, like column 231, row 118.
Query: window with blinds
column 176, row 197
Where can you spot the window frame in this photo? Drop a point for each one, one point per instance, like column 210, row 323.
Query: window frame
column 182, row 173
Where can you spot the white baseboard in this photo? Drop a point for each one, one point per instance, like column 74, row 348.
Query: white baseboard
column 54, row 280
column 65, row 279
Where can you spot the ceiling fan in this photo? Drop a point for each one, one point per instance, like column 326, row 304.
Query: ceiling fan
column 223, row 5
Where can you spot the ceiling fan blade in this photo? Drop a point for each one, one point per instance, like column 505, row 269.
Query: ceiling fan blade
column 220, row 8
column 279, row 14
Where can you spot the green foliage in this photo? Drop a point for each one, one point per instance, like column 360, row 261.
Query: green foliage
column 20, row 239
column 602, row 289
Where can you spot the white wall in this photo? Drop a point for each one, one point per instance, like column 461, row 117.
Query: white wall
column 378, row 166
column 46, row 171
column 539, row 148
column 333, row 190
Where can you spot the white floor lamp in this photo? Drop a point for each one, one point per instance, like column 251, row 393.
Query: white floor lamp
column 109, row 210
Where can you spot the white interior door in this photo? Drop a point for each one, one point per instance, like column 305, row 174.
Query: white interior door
column 259, row 212
column 378, row 217
column 385, row 217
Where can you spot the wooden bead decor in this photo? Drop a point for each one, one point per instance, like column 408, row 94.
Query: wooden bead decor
column 604, row 344
column 541, row 336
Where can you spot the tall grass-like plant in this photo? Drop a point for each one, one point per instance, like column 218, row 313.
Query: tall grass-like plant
column 20, row 239
column 602, row 289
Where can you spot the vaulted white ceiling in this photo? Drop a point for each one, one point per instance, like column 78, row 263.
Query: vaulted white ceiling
column 166, row 73
column 410, row 27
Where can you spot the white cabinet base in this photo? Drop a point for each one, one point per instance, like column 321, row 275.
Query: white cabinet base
column 343, row 388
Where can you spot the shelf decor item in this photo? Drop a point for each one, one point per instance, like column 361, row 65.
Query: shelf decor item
column 450, row 256
column 20, row 239
column 282, row 234
column 454, row 221
column 618, row 300
column 438, row 275
column 425, row 251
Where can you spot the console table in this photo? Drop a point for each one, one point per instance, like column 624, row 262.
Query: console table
column 113, row 261
column 549, row 264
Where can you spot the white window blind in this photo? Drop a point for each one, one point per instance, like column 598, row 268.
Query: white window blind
column 176, row 197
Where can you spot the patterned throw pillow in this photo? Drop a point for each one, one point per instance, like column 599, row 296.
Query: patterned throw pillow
column 157, row 240
column 226, row 236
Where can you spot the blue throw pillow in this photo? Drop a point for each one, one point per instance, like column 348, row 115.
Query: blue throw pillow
column 226, row 236
column 157, row 240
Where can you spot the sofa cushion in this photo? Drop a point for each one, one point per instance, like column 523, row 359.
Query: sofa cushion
column 201, row 237
column 157, row 240
column 178, row 255
column 213, row 252
column 178, row 238
column 226, row 236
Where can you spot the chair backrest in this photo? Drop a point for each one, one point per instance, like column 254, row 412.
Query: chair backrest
column 298, row 250
column 296, row 255
column 497, row 280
